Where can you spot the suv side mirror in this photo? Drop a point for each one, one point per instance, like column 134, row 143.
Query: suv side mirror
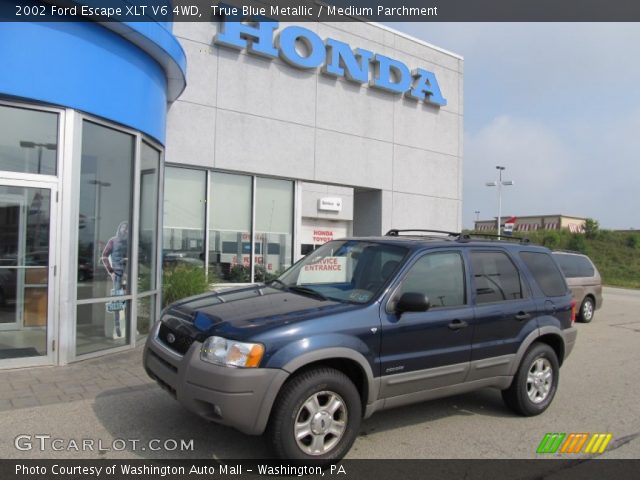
column 412, row 302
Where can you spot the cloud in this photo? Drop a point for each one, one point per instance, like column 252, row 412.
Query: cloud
column 589, row 172
column 537, row 160
column 558, row 104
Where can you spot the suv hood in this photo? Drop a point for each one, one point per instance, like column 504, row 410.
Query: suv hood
column 244, row 312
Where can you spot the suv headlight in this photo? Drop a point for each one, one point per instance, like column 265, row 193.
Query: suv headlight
column 230, row 353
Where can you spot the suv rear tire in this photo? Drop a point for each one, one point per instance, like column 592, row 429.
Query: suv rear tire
column 535, row 382
column 587, row 309
column 316, row 416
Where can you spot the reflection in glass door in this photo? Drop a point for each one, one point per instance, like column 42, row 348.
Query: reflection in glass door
column 24, row 271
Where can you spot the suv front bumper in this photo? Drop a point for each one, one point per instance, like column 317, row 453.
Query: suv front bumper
column 238, row 397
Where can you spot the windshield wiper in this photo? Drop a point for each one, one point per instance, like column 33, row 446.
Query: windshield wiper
column 298, row 289
column 276, row 280
column 306, row 291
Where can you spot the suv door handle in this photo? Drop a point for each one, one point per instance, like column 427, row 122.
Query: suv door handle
column 523, row 316
column 458, row 324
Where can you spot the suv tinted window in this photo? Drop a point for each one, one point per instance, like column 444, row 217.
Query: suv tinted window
column 495, row 277
column 574, row 265
column 545, row 272
column 440, row 276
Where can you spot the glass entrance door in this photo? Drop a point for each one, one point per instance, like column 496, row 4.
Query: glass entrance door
column 26, row 233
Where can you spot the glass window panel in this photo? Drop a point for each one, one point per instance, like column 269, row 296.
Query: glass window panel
column 574, row 266
column 346, row 270
column 104, row 237
column 102, row 325
column 146, row 315
column 147, row 241
column 495, row 278
column 546, row 273
column 230, row 227
column 274, row 227
column 28, row 140
column 24, row 271
column 184, row 212
column 440, row 276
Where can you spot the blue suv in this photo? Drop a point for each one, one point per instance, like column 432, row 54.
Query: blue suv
column 365, row 324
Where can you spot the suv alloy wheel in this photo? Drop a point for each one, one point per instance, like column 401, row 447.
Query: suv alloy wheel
column 535, row 383
column 316, row 416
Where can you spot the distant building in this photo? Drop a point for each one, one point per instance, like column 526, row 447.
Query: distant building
column 535, row 222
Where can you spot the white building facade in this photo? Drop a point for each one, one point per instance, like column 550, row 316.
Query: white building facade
column 234, row 146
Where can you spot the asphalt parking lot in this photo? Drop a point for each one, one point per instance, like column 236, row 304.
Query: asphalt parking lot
column 599, row 391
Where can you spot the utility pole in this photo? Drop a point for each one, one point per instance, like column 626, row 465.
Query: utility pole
column 500, row 183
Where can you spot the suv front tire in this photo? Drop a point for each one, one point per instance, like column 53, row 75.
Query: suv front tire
column 316, row 416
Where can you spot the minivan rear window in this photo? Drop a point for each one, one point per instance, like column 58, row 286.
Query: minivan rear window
column 545, row 272
column 574, row 265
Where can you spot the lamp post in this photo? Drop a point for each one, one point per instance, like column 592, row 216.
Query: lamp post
column 500, row 183
column 96, row 212
column 39, row 146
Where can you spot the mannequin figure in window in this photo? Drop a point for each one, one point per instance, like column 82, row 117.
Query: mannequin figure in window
column 114, row 259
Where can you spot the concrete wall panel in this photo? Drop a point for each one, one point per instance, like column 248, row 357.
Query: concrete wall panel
column 351, row 108
column 191, row 131
column 202, row 73
column 350, row 160
column 422, row 126
column 425, row 173
column 259, row 145
column 202, row 32
column 418, row 211
column 256, row 85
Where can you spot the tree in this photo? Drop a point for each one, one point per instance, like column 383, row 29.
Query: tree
column 591, row 228
column 551, row 240
column 577, row 243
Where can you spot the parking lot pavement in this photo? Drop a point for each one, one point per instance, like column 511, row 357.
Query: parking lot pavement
column 29, row 387
column 599, row 388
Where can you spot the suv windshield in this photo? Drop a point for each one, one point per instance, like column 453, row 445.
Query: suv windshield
column 345, row 270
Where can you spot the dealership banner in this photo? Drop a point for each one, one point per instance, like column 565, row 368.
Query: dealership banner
column 347, row 469
column 329, row 10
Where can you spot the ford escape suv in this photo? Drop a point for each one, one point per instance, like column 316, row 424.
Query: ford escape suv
column 365, row 324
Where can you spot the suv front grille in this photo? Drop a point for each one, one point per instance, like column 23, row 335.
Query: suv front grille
column 181, row 343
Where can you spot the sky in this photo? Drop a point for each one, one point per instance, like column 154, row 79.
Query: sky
column 557, row 104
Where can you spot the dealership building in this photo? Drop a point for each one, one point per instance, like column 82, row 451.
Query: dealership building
column 532, row 223
column 129, row 148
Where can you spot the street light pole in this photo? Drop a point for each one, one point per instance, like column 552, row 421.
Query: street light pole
column 96, row 224
column 500, row 169
column 500, row 183
column 39, row 146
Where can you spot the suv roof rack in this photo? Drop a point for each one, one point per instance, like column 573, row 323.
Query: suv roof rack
column 460, row 237
column 507, row 238
column 396, row 233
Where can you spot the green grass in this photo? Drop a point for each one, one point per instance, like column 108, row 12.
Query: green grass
column 616, row 254
column 182, row 281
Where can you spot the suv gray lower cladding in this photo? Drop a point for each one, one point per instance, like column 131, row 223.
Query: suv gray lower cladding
column 241, row 398
column 497, row 372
